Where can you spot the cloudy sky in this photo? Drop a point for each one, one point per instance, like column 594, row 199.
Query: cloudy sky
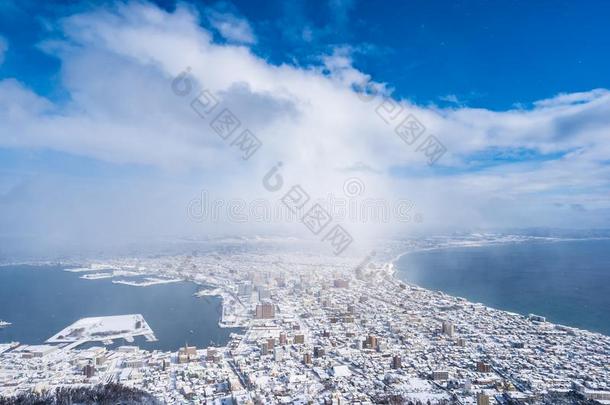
column 468, row 116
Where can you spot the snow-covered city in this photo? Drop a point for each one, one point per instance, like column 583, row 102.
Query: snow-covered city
column 319, row 329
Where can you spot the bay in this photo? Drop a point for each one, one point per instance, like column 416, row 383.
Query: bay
column 39, row 301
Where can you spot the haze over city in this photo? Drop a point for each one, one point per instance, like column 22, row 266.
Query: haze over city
column 95, row 140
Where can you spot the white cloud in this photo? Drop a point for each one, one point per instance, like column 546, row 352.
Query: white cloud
column 572, row 98
column 232, row 27
column 451, row 98
column 117, row 66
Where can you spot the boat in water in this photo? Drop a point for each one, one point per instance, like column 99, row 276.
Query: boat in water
column 4, row 324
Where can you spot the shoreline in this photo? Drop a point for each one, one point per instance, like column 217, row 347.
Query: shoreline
column 395, row 270
column 389, row 267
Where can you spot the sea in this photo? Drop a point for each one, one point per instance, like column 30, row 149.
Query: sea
column 566, row 281
column 40, row 301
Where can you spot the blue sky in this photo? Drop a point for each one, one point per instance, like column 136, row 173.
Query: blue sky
column 516, row 92
column 479, row 53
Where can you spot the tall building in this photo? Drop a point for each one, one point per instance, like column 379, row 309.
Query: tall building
column 263, row 293
column 396, row 362
column 265, row 311
column 341, row 283
column 371, row 342
column 100, row 360
column 299, row 339
column 244, row 289
column 283, row 339
column 264, row 349
column 89, row 370
column 307, row 358
column 212, row 355
column 483, row 367
column 448, row 328
column 359, row 273
column 278, row 354
column 187, row 353
column 482, row 399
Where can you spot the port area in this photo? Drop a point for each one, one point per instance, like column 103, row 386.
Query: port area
column 235, row 311
column 104, row 329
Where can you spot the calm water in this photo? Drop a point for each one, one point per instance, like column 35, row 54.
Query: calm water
column 40, row 301
column 568, row 282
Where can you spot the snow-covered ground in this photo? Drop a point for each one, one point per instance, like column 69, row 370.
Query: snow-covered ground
column 103, row 328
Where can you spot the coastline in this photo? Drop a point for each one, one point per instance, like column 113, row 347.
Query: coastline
column 232, row 317
column 395, row 270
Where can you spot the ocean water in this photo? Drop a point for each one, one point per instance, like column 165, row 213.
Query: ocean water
column 567, row 281
column 40, row 301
